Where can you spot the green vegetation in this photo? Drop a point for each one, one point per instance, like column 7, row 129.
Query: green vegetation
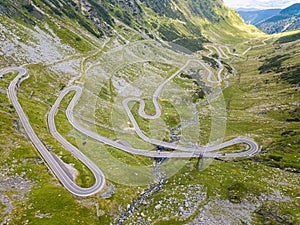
column 289, row 73
column 18, row 154
column 286, row 20
column 274, row 64
column 227, row 67
column 289, row 38
column 262, row 102
column 69, row 37
column 237, row 191
column 85, row 178
column 260, row 93
column 169, row 33
column 191, row 44
column 213, row 63
column 57, row 207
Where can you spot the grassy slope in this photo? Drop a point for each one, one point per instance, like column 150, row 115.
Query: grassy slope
column 278, row 138
column 266, row 112
column 259, row 105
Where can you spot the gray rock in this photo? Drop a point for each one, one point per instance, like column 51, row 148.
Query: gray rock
column 157, row 207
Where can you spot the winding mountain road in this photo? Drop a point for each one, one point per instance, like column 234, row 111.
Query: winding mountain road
column 52, row 163
column 188, row 152
column 179, row 151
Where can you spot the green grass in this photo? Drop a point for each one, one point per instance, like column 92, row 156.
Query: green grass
column 289, row 38
column 127, row 158
column 264, row 97
column 234, row 148
column 2, row 208
column 51, row 199
column 235, row 181
column 36, row 111
column 47, row 196
column 70, row 38
column 57, row 205
column 259, row 106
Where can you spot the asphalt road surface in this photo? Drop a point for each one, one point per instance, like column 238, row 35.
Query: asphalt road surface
column 179, row 151
column 54, row 166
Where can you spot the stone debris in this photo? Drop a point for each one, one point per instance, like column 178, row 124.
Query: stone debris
column 42, row 47
column 111, row 190
column 276, row 196
column 15, row 183
column 157, row 207
column 8, row 184
column 181, row 202
column 8, row 208
column 225, row 212
column 40, row 215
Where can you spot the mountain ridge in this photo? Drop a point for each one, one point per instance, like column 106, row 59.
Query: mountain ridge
column 175, row 17
column 274, row 20
column 258, row 16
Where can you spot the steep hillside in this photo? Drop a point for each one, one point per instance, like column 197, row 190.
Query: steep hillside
column 287, row 19
column 183, row 22
column 258, row 16
column 220, row 80
column 273, row 21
